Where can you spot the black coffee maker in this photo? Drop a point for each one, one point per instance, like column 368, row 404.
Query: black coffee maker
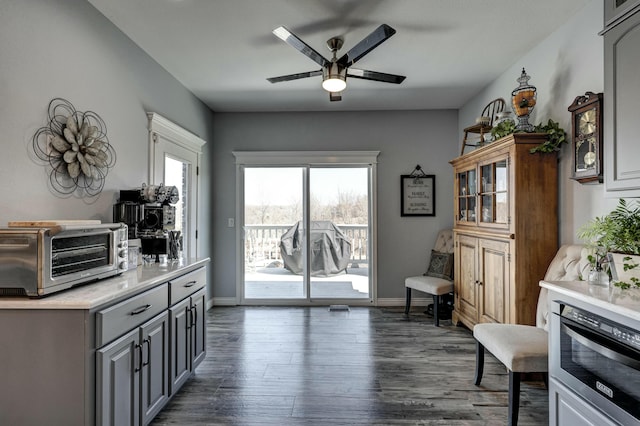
column 150, row 216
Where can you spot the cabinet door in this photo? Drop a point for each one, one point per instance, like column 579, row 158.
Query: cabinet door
column 615, row 10
column 154, row 338
column 466, row 300
column 494, row 193
column 567, row 408
column 180, row 354
column 198, row 328
column 466, row 196
column 118, row 382
column 494, row 280
column 621, row 106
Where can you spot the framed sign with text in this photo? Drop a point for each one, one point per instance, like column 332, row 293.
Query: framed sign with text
column 418, row 195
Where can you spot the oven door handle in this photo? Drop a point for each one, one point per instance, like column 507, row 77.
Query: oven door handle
column 602, row 350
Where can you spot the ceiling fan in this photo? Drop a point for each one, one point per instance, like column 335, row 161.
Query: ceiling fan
column 334, row 72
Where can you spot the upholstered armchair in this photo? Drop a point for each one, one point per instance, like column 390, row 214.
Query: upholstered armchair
column 438, row 280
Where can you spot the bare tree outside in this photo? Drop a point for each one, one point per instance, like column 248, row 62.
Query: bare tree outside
column 273, row 203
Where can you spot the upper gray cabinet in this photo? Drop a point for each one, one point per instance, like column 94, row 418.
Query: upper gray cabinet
column 617, row 10
column 622, row 97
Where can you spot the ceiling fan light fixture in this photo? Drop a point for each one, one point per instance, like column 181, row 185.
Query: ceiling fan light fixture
column 334, row 78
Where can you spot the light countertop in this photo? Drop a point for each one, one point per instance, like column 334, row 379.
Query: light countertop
column 98, row 293
column 612, row 298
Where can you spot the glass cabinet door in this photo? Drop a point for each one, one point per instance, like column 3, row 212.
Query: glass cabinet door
column 494, row 207
column 467, row 193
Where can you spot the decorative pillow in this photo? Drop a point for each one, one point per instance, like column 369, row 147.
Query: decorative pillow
column 441, row 265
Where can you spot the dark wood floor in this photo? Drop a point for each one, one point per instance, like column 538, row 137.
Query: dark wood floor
column 367, row 366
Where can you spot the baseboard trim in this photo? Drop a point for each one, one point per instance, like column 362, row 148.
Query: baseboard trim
column 221, row 301
column 419, row 301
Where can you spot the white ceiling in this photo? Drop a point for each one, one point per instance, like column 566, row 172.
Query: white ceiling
column 223, row 50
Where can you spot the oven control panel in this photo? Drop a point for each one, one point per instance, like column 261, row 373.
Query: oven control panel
column 612, row 329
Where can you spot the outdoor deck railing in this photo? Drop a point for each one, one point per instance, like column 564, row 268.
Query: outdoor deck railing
column 262, row 242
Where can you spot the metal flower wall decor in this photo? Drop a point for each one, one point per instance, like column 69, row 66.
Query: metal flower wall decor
column 75, row 145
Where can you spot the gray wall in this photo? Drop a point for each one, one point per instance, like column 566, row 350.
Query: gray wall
column 405, row 139
column 66, row 48
column 565, row 65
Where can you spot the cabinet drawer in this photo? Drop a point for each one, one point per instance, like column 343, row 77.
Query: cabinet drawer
column 126, row 315
column 187, row 284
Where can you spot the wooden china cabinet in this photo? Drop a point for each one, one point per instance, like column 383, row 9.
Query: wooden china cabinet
column 505, row 229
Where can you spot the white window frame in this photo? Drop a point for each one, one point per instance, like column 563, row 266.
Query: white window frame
column 160, row 127
column 305, row 158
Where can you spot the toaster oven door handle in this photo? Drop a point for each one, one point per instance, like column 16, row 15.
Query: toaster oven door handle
column 141, row 309
column 59, row 228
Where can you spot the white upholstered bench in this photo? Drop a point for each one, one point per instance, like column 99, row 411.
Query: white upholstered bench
column 524, row 348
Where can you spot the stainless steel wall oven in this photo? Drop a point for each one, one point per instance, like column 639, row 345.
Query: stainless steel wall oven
column 598, row 359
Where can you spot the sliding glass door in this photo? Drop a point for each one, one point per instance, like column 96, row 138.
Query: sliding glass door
column 339, row 214
column 273, row 205
column 306, row 234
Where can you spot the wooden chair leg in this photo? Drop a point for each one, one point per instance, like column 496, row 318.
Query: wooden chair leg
column 464, row 143
column 514, row 398
column 436, row 316
column 479, row 363
column 407, row 305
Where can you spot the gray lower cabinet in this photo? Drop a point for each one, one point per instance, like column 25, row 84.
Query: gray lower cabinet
column 132, row 375
column 188, row 333
column 567, row 408
column 116, row 363
column 132, row 372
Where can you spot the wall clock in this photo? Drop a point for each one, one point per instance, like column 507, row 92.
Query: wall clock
column 586, row 126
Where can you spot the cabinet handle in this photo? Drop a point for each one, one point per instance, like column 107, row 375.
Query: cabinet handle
column 190, row 283
column 141, row 309
column 194, row 317
column 480, row 283
column 138, row 350
column 190, row 319
column 148, row 342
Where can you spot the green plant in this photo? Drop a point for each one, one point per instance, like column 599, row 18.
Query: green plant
column 556, row 135
column 619, row 232
column 503, row 129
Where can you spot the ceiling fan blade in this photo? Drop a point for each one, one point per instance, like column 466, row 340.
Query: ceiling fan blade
column 375, row 76
column 293, row 40
column 366, row 45
column 335, row 96
column 294, row 76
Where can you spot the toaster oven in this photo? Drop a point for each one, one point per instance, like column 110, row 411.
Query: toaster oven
column 37, row 261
